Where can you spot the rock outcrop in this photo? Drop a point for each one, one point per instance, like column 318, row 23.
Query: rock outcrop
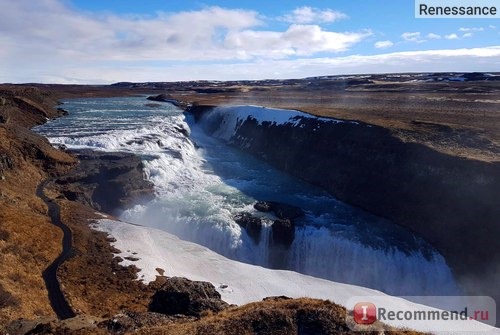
column 252, row 225
column 283, row 232
column 108, row 182
column 282, row 211
column 183, row 296
column 164, row 98
column 283, row 229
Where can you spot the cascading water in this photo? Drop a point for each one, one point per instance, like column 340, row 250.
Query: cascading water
column 201, row 184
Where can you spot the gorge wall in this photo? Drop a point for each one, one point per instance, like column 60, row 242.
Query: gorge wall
column 452, row 202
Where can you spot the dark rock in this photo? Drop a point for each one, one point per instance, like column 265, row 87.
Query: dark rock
column 164, row 98
column 198, row 110
column 182, row 130
column 252, row 225
column 108, row 182
column 263, row 206
column 183, row 296
column 62, row 111
column 282, row 211
column 152, row 105
column 3, row 118
column 42, row 325
column 283, row 232
column 438, row 196
column 6, row 162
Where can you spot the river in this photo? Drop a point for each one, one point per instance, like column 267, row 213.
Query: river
column 201, row 183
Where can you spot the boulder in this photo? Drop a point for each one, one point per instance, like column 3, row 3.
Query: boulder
column 183, row 296
column 107, row 181
column 164, row 98
column 252, row 225
column 281, row 210
column 263, row 206
column 6, row 162
column 283, row 232
column 287, row 212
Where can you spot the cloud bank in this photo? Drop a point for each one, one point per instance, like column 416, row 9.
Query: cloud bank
column 48, row 41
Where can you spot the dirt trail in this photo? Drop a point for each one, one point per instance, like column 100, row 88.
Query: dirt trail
column 57, row 300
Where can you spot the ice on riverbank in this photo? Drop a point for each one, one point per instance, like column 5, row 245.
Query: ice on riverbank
column 241, row 283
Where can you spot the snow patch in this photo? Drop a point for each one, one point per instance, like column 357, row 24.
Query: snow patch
column 240, row 283
column 234, row 116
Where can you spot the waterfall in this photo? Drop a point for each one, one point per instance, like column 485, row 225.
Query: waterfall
column 201, row 184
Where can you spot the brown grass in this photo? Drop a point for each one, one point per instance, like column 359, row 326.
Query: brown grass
column 28, row 240
column 293, row 316
column 30, row 245
column 464, row 113
column 7, row 299
column 93, row 280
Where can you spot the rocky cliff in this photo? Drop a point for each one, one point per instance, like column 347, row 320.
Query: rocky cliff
column 453, row 202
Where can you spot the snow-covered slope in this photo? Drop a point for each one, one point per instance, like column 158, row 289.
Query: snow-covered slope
column 233, row 117
column 241, row 283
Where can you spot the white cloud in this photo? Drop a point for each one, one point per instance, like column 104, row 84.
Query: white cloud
column 466, row 35
column 305, row 15
column 451, row 37
column 411, row 37
column 383, row 44
column 492, row 27
column 62, row 45
column 453, row 60
column 297, row 40
column 58, row 32
column 433, row 36
column 471, row 29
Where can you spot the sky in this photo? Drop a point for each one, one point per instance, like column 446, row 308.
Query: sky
column 106, row 41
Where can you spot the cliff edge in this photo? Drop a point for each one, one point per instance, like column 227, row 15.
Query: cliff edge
column 452, row 202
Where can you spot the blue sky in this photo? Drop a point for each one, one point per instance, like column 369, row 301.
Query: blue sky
column 89, row 41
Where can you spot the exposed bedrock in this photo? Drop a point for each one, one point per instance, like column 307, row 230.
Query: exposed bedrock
column 453, row 202
column 252, row 225
column 164, row 98
column 183, row 296
column 108, row 182
column 282, row 229
column 282, row 211
column 282, row 232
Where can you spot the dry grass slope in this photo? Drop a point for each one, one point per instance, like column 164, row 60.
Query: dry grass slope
column 273, row 316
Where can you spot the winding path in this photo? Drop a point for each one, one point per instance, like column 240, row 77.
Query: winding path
column 56, row 297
